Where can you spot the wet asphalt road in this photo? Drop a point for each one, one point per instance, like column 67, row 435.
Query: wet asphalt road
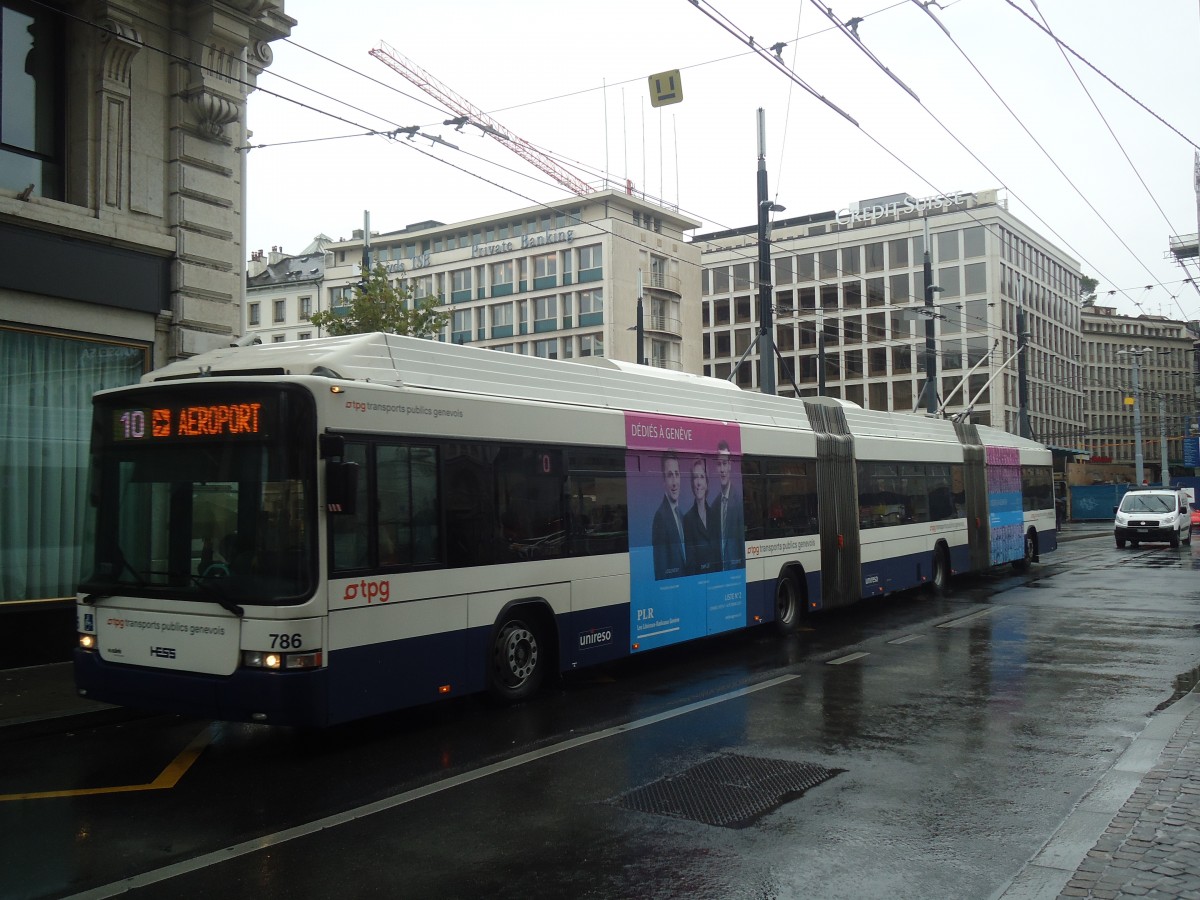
column 941, row 742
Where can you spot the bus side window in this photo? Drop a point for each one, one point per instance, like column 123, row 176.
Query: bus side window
column 406, row 479
column 350, row 533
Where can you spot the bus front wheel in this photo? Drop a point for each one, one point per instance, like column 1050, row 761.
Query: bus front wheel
column 518, row 660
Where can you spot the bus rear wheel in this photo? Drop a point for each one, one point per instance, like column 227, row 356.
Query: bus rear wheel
column 1023, row 564
column 789, row 604
column 517, row 664
column 941, row 571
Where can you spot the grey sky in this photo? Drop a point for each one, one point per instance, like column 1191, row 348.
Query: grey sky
column 571, row 78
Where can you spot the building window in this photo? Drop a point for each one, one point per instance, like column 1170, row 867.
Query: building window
column 460, row 285
column 31, row 99
column 422, row 287
column 306, row 335
column 502, row 278
column 976, row 276
column 591, row 345
column 591, row 307
column 254, row 316
column 545, row 270
column 341, row 297
column 279, row 311
column 947, row 246
column 460, row 331
column 547, row 349
column 545, row 313
column 305, row 308
column 502, row 320
column 278, row 338
column 591, row 263
column 973, row 241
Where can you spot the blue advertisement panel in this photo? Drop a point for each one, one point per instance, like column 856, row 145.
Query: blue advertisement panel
column 687, row 535
column 1006, row 512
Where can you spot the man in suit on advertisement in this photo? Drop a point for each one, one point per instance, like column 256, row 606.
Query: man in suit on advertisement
column 726, row 514
column 666, row 535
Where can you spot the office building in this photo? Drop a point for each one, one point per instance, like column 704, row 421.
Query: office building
column 848, row 288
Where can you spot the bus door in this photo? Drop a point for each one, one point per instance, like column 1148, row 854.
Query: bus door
column 975, row 490
column 837, row 506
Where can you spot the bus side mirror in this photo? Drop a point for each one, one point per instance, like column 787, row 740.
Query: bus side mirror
column 341, row 487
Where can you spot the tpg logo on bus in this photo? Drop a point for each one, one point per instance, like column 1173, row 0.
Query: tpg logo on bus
column 369, row 590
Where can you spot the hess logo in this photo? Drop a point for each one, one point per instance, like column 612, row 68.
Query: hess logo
column 163, row 652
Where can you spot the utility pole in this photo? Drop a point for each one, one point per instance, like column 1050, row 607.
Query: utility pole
column 366, row 254
column 1026, row 430
column 1139, row 462
column 1165, row 478
column 930, row 389
column 766, row 335
column 640, row 325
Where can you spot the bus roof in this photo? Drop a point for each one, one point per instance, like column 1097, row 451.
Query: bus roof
column 390, row 359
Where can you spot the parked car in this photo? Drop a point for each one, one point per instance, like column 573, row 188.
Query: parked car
column 1153, row 515
column 1195, row 517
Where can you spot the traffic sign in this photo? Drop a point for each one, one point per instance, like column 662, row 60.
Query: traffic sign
column 666, row 88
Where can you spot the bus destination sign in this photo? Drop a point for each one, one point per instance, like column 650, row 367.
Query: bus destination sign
column 189, row 422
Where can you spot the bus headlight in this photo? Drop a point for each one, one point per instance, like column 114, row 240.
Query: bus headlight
column 87, row 641
column 264, row 659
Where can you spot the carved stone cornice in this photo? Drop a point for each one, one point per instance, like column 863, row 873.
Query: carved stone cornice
column 213, row 110
column 120, row 43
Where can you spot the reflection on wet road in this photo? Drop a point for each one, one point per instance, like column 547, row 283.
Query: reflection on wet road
column 961, row 731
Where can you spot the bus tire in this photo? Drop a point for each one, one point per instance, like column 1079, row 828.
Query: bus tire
column 941, row 571
column 1023, row 564
column 789, row 603
column 517, row 659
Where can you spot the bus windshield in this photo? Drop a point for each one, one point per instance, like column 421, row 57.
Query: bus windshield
column 202, row 500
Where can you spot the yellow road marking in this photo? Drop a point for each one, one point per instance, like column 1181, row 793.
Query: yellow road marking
column 166, row 779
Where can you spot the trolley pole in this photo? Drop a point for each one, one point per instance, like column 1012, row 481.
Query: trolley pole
column 766, row 334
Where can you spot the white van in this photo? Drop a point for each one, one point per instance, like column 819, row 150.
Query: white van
column 1153, row 514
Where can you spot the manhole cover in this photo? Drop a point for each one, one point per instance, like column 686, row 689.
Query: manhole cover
column 730, row 790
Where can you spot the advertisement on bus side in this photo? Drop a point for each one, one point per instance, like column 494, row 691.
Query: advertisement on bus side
column 1006, row 517
column 687, row 534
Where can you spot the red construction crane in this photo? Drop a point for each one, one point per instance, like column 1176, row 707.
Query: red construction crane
column 464, row 108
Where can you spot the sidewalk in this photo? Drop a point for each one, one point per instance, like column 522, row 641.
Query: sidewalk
column 43, row 698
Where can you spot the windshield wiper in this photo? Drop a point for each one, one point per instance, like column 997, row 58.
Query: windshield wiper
column 206, row 584
column 123, row 564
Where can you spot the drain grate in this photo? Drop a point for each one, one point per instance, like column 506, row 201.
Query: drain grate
column 730, row 790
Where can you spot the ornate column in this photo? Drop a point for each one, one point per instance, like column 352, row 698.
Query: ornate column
column 226, row 46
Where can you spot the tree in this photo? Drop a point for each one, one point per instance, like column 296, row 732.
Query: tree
column 378, row 306
column 1087, row 289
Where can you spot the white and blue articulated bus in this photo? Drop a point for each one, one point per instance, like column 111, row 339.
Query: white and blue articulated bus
column 308, row 533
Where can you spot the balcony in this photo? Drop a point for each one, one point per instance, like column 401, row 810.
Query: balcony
column 660, row 362
column 663, row 325
column 659, row 281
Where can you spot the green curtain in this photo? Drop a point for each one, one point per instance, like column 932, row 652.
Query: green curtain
column 45, row 423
